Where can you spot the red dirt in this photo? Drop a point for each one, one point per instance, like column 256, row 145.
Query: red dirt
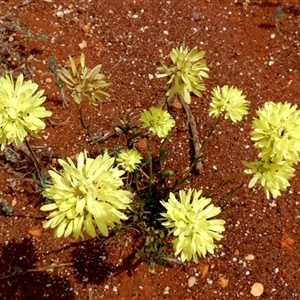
column 129, row 38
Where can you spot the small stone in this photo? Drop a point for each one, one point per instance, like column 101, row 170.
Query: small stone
column 249, row 257
column 203, row 270
column 150, row 76
column 223, row 282
column 167, row 290
column 271, row 63
column 83, row 45
column 137, row 104
column 257, row 289
column 176, row 105
column 35, row 232
column 48, row 80
column 165, row 32
column 273, row 36
column 142, row 144
column 191, row 281
column 85, row 28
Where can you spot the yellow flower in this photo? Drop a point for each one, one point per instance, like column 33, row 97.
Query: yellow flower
column 128, row 159
column 84, row 82
column 276, row 132
column 186, row 73
column 86, row 196
column 273, row 177
column 229, row 100
column 190, row 222
column 158, row 121
column 20, row 110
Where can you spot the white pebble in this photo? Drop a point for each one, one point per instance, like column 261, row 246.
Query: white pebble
column 271, row 63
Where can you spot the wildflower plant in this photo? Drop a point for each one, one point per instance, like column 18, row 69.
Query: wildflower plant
column 228, row 100
column 20, row 110
column 129, row 159
column 276, row 132
column 158, row 121
column 276, row 135
column 190, row 222
column 84, row 82
column 86, row 196
column 132, row 188
column 186, row 73
column 273, row 177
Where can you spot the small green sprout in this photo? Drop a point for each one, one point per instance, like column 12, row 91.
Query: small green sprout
column 186, row 73
column 84, row 82
column 59, row 83
column 5, row 208
column 277, row 14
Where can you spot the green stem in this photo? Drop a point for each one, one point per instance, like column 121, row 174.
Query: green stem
column 229, row 198
column 223, row 183
column 204, row 144
column 149, row 148
column 34, row 158
column 86, row 128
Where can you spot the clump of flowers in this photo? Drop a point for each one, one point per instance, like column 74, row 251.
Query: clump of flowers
column 20, row 110
column 273, row 177
column 276, row 135
column 84, row 82
column 86, row 196
column 228, row 100
column 276, row 132
column 128, row 159
column 190, row 222
column 158, row 121
column 186, row 73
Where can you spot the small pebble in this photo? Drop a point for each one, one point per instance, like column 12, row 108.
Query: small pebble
column 191, row 281
column 257, row 289
column 249, row 257
column 271, row 63
column 273, row 36
column 223, row 282
column 166, row 291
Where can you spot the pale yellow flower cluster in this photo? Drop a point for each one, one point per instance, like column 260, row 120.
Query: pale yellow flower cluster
column 277, row 137
column 87, row 196
column 186, row 73
column 84, row 82
column 190, row 221
column 20, row 110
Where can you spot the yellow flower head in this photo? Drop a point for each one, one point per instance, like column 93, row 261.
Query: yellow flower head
column 20, row 110
column 273, row 177
column 229, row 100
column 128, row 159
column 190, row 222
column 186, row 72
column 84, row 82
column 276, row 132
column 86, row 196
column 158, row 121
